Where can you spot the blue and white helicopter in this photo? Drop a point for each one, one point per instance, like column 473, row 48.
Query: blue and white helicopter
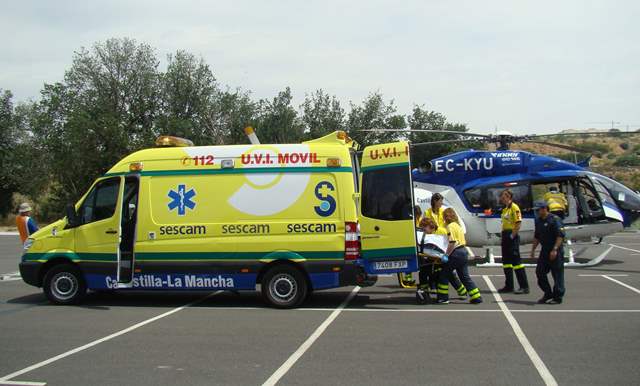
column 471, row 182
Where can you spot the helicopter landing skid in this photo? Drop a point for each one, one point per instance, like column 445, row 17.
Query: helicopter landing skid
column 569, row 263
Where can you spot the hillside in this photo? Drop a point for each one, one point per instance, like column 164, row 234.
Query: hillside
column 615, row 156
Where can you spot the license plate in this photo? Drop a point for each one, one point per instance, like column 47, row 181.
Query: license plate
column 390, row 264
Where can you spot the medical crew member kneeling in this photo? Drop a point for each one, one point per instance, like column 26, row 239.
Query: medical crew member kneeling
column 456, row 259
column 550, row 234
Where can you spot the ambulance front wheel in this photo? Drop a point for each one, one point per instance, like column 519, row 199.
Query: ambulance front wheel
column 284, row 287
column 63, row 284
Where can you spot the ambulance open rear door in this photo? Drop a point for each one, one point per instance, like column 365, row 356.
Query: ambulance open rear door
column 387, row 227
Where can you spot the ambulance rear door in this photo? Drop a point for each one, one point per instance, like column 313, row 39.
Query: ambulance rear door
column 387, row 227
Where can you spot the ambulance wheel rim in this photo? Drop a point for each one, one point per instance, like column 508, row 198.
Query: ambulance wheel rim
column 283, row 288
column 64, row 286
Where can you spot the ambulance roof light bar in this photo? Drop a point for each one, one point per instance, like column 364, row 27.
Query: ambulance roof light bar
column 171, row 141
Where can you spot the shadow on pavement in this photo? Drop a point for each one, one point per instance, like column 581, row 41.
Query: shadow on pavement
column 106, row 300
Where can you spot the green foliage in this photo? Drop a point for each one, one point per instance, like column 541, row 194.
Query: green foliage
column 594, row 147
column 8, row 180
column 374, row 114
column 572, row 157
column 627, row 160
column 321, row 114
column 277, row 121
column 114, row 100
column 188, row 89
column 615, row 133
column 421, row 119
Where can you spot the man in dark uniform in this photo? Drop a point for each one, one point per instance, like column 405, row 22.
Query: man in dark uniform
column 550, row 235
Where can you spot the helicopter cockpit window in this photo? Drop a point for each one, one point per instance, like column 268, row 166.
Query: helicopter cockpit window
column 627, row 199
column 386, row 194
column 603, row 193
column 589, row 200
column 521, row 196
column 474, row 197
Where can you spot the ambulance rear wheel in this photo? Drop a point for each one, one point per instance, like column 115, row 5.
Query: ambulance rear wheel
column 284, row 287
column 63, row 284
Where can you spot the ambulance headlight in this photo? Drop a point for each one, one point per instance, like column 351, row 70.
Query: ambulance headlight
column 27, row 244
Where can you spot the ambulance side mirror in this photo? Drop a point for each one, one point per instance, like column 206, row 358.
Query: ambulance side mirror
column 73, row 220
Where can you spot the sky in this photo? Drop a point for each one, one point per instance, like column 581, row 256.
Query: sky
column 526, row 67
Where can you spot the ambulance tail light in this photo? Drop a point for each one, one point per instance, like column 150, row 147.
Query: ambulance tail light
column 352, row 241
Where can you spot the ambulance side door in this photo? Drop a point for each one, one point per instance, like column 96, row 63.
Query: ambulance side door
column 387, row 228
column 98, row 234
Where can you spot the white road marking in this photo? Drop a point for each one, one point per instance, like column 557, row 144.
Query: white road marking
column 8, row 233
column 436, row 309
column 544, row 372
column 2, row 383
column 101, row 340
column 626, row 249
column 600, row 275
column 501, row 275
column 282, row 370
column 10, row 276
column 621, row 283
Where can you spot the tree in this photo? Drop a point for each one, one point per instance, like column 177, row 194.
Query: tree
column 235, row 111
column 8, row 183
column 104, row 109
column 374, row 114
column 277, row 120
column 321, row 114
column 189, row 95
column 421, row 119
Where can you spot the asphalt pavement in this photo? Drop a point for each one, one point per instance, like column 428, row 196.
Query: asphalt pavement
column 374, row 336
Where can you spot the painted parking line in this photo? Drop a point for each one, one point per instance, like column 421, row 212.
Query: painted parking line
column 102, row 340
column 428, row 310
column 626, row 249
column 11, row 276
column 608, row 277
column 544, row 372
column 286, row 366
column 600, row 275
column 16, row 383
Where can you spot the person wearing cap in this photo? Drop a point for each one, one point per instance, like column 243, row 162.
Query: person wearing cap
column 25, row 224
column 550, row 235
column 511, row 261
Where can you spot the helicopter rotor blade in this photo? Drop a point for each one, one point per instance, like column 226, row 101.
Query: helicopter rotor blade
column 615, row 133
column 445, row 141
column 560, row 146
column 451, row 132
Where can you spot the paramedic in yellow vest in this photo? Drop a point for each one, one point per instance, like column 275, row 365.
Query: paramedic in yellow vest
column 511, row 261
column 456, row 259
column 25, row 224
column 556, row 201
column 436, row 211
column 429, row 271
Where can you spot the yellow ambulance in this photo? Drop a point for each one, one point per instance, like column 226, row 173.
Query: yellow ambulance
column 291, row 218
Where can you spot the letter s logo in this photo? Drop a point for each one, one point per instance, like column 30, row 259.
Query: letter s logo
column 327, row 202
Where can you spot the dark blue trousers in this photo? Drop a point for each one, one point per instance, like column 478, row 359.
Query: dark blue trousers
column 556, row 267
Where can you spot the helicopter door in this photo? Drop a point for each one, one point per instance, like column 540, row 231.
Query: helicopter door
column 589, row 206
column 387, row 227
